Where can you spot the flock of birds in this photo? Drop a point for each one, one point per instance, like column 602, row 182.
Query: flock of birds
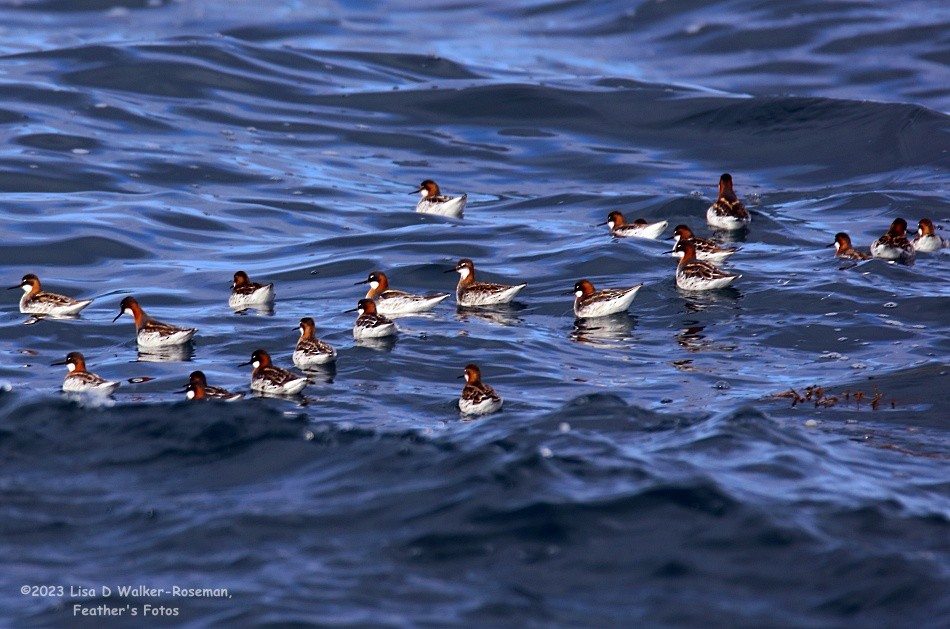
column 696, row 271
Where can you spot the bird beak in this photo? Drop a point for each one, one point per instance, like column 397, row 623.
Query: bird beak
column 366, row 281
column 17, row 286
column 831, row 245
column 351, row 310
column 59, row 362
column 416, row 191
column 247, row 363
column 602, row 224
column 460, row 377
column 451, row 271
column 570, row 292
column 670, row 251
column 117, row 316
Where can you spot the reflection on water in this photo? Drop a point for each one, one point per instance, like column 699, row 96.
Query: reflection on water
column 36, row 318
column 504, row 314
column 262, row 310
column 698, row 301
column 321, row 373
column 693, row 308
column 414, row 315
column 91, row 399
column 690, row 338
column 286, row 141
column 170, row 354
column 382, row 344
column 685, row 364
column 902, row 261
column 298, row 398
column 604, row 331
column 729, row 237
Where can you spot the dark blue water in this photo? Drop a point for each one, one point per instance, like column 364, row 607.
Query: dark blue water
column 644, row 470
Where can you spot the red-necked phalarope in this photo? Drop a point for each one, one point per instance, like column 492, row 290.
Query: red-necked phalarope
column 926, row 240
column 727, row 212
column 844, row 248
column 477, row 397
column 369, row 323
column 394, row 302
column 434, row 202
column 150, row 332
column 705, row 249
column 693, row 274
column 894, row 244
column 245, row 293
column 589, row 303
column 471, row 293
column 197, row 389
column 34, row 301
column 78, row 380
column 268, row 378
column 310, row 350
column 639, row 228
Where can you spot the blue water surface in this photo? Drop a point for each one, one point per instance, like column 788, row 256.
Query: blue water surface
column 648, row 469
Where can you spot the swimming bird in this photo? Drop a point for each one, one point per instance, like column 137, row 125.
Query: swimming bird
column 434, row 202
column 311, row 351
column 370, row 324
column 590, row 303
column 894, row 244
column 477, row 397
column 78, row 380
column 197, row 389
column 705, row 249
column 844, row 249
column 245, row 293
column 34, row 301
column 693, row 274
column 151, row 332
column 390, row 301
column 268, row 378
column 727, row 212
column 471, row 293
column 639, row 228
column 927, row 238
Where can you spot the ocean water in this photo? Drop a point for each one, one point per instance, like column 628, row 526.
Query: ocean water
column 648, row 469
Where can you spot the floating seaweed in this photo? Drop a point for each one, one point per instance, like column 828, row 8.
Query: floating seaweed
column 817, row 395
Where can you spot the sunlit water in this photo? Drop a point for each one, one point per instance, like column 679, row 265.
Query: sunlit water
column 642, row 471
